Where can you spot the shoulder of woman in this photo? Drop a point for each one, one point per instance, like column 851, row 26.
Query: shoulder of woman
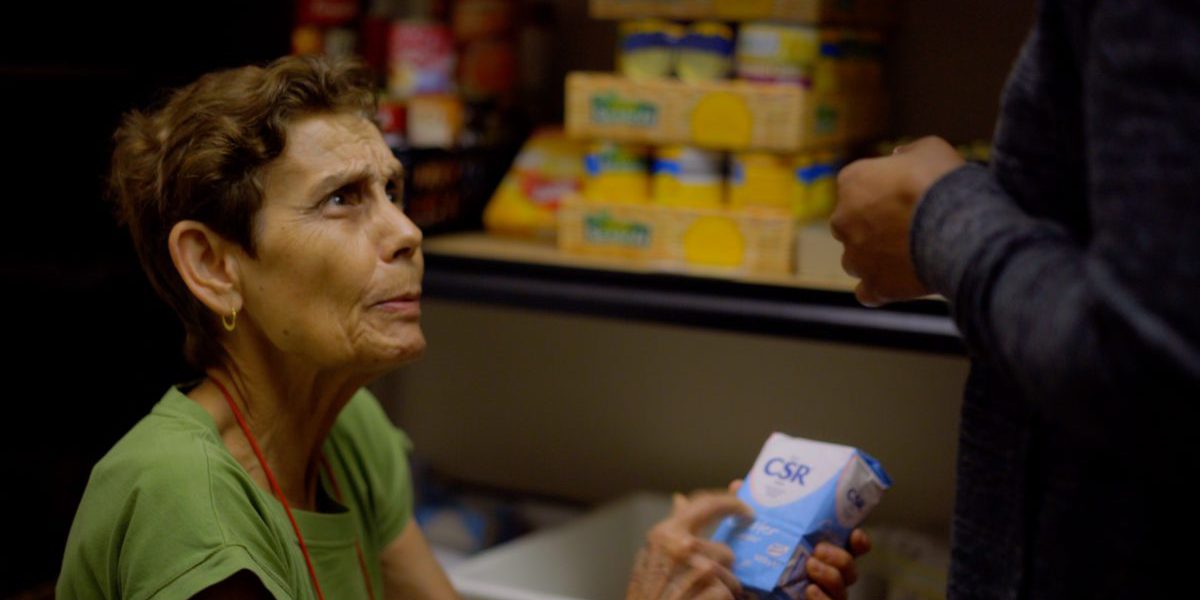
column 164, row 501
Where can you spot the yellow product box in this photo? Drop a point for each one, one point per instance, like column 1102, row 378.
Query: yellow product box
column 679, row 238
column 629, row 231
column 742, row 241
column 718, row 115
column 549, row 167
column 801, row 11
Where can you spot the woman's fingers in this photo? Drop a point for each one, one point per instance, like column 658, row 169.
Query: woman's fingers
column 825, row 577
column 718, row 552
column 813, row 592
column 714, row 592
column 677, row 564
column 705, row 508
column 860, row 542
column 702, row 576
column 721, row 572
column 839, row 559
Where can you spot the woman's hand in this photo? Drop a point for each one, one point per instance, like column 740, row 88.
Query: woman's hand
column 676, row 564
column 832, row 569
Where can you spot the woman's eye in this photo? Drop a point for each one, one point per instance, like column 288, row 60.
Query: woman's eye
column 395, row 193
column 342, row 198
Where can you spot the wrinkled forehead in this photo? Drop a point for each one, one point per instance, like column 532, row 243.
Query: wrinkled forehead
column 332, row 146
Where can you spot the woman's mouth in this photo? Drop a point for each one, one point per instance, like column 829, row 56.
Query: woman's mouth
column 408, row 305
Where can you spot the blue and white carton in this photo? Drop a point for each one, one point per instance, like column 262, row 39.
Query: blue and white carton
column 803, row 492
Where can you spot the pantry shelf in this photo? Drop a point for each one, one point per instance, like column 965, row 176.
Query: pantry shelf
column 477, row 267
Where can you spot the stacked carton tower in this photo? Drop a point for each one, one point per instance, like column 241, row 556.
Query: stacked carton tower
column 722, row 130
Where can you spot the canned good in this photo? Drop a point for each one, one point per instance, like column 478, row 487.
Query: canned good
column 779, row 53
column 705, row 53
column 688, row 177
column 814, row 192
column 616, row 173
column 760, row 179
column 646, row 48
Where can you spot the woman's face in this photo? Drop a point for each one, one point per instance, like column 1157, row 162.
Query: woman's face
column 337, row 276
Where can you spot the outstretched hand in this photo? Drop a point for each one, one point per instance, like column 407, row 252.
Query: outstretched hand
column 676, row 564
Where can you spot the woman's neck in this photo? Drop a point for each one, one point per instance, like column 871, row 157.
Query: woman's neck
column 288, row 408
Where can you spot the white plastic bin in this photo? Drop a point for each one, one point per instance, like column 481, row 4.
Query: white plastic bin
column 587, row 559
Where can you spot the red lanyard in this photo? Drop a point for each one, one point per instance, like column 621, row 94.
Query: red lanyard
column 262, row 461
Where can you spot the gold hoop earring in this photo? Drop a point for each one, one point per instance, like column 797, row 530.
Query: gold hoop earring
column 231, row 322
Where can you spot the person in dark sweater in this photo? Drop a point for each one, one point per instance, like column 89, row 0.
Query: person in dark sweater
column 1072, row 269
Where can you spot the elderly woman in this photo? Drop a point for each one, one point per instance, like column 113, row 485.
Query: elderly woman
column 266, row 210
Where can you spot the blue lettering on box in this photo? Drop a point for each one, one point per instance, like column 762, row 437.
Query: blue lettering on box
column 787, row 471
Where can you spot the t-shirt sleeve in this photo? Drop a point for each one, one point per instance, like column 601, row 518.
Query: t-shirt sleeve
column 378, row 458
column 148, row 528
column 216, row 568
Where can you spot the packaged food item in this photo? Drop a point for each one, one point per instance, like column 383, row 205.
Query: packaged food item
column 687, row 176
column 760, row 179
column 326, row 13
column 646, row 48
column 547, row 169
column 802, row 492
column 705, row 53
column 420, row 59
column 488, row 68
column 393, row 122
column 434, row 120
column 482, row 19
column 829, row 66
column 777, row 53
column 723, row 115
column 617, row 173
column 679, row 238
column 814, row 186
column 307, row 39
column 824, row 186
column 485, row 34
column 857, row 12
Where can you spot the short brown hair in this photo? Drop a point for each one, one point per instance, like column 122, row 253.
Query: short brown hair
column 200, row 157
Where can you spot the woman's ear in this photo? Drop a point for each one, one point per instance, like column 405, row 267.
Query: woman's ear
column 208, row 265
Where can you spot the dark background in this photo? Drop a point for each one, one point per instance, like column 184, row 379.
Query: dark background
column 88, row 347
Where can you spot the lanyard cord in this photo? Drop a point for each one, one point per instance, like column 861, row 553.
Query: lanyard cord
column 262, row 461
column 362, row 561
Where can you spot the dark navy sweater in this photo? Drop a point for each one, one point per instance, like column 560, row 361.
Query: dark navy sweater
column 1072, row 266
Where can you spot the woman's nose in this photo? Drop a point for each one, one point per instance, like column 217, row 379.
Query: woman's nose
column 402, row 237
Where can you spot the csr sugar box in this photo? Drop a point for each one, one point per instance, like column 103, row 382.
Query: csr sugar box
column 803, row 492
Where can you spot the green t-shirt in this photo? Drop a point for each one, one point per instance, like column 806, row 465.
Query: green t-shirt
column 168, row 512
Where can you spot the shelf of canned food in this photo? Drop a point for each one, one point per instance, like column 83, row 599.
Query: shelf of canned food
column 533, row 275
column 691, row 185
column 802, row 11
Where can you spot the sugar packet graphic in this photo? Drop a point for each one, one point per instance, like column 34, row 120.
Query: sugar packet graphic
column 803, row 492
